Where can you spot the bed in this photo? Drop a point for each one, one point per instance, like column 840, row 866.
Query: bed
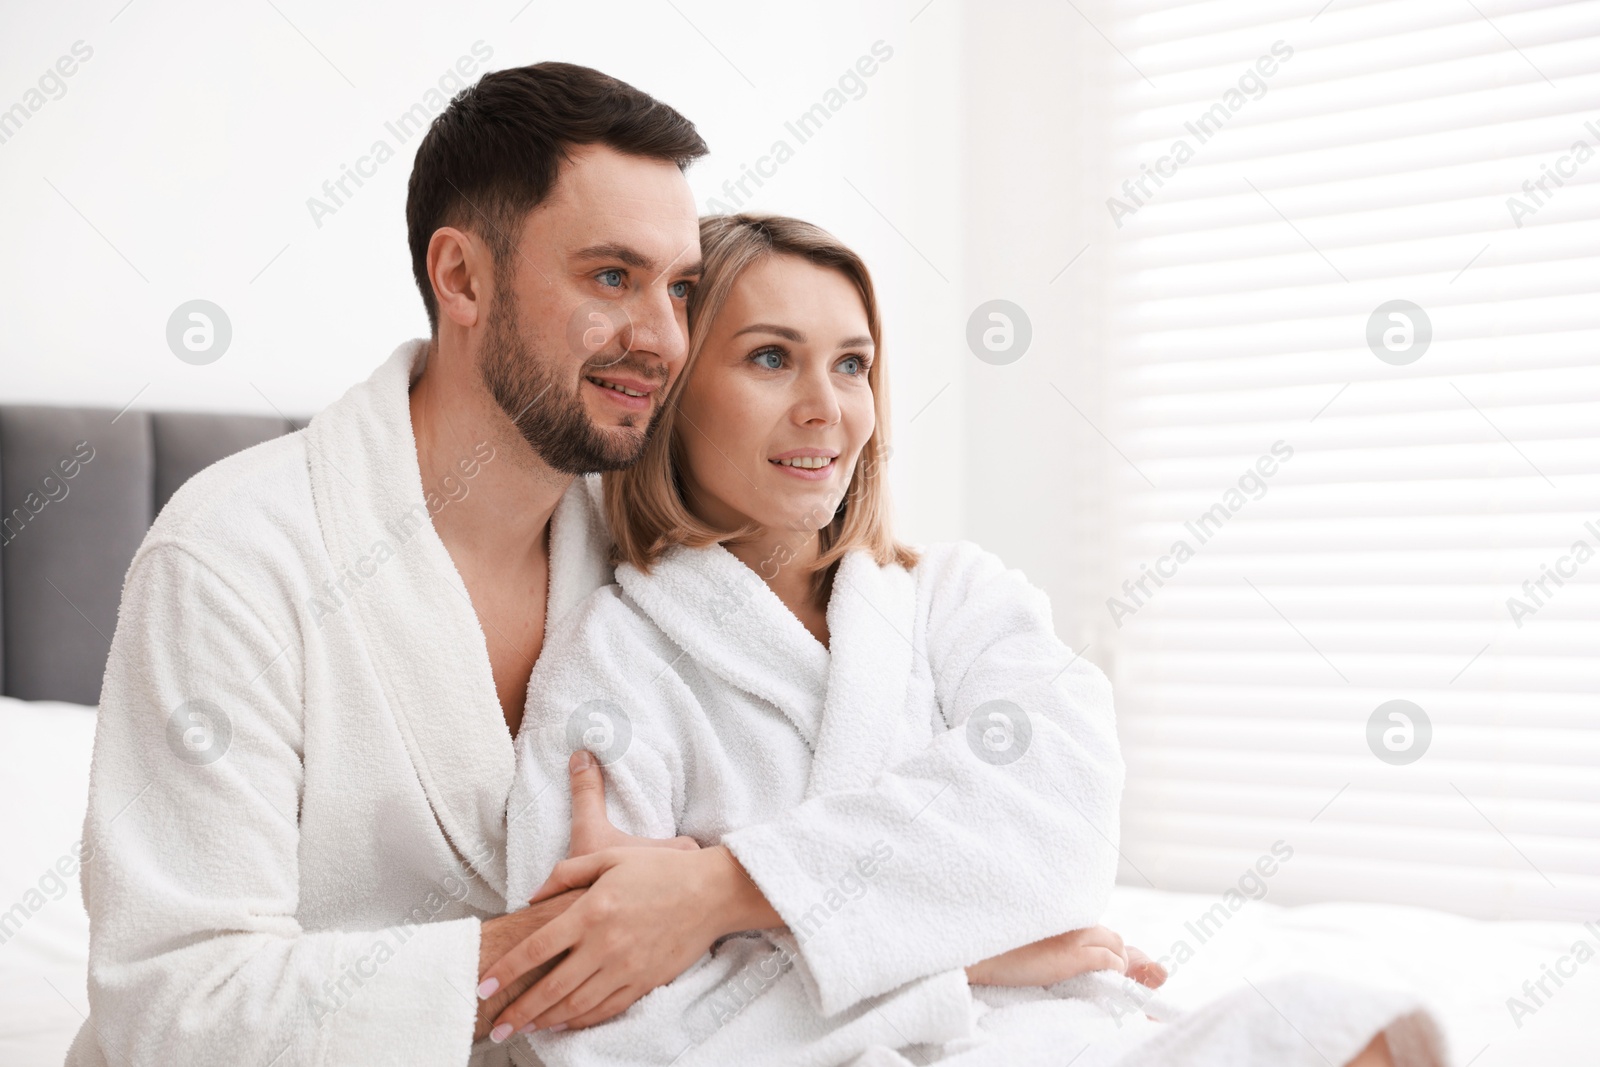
column 60, row 577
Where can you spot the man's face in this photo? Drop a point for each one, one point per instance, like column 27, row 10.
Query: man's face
column 588, row 327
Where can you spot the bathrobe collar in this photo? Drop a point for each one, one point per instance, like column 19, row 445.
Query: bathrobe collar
column 730, row 623
column 872, row 615
column 422, row 636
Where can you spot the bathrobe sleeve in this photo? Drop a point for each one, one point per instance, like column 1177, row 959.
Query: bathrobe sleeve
column 192, row 885
column 1001, row 832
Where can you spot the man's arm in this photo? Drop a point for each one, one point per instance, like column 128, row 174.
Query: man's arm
column 194, row 888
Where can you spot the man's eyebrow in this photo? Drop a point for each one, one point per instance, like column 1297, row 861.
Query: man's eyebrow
column 619, row 252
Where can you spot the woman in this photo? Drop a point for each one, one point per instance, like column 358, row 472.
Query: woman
column 769, row 648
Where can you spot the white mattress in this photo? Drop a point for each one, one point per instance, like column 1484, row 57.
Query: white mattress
column 1467, row 969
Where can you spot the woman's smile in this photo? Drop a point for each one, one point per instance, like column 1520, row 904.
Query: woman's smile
column 809, row 464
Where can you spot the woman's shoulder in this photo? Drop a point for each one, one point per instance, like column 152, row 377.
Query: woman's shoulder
column 940, row 566
column 956, row 576
column 944, row 561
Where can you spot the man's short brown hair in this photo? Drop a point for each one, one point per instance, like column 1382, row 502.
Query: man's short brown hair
column 493, row 155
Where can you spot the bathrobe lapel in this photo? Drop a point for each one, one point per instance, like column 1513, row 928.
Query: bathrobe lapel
column 397, row 581
column 730, row 623
column 871, row 615
column 849, row 704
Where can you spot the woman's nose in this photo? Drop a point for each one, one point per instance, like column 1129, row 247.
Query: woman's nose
column 817, row 403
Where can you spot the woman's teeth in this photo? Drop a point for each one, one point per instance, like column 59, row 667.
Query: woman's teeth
column 602, row 383
column 810, row 463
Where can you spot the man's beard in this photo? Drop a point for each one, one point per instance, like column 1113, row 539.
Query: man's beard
column 551, row 419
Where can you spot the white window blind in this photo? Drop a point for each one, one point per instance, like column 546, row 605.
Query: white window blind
column 1440, row 152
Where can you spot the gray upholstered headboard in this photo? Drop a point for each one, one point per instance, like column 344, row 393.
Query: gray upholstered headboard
column 78, row 489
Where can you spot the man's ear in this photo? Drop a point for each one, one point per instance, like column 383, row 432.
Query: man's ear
column 461, row 270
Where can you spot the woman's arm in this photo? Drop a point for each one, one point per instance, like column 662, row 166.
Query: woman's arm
column 1000, row 833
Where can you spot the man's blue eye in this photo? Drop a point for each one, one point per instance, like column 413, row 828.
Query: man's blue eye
column 610, row 278
column 680, row 290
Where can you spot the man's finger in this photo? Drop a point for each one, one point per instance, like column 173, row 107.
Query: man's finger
column 573, row 874
column 589, row 821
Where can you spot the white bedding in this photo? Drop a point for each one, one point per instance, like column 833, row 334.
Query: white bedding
column 1466, row 968
column 44, row 788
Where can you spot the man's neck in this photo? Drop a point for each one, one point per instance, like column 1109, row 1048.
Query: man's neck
column 494, row 494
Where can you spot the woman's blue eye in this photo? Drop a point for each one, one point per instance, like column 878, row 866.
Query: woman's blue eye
column 853, row 365
column 680, row 290
column 611, row 279
column 771, row 358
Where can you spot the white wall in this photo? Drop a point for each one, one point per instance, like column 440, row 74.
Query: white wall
column 1036, row 235
column 179, row 161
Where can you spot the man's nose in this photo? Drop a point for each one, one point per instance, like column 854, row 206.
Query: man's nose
column 659, row 328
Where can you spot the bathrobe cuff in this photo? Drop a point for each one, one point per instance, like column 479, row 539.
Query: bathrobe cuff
column 403, row 994
column 814, row 890
column 934, row 1009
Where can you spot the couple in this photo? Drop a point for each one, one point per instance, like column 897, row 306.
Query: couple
column 887, row 794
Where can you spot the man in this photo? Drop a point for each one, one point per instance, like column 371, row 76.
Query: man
column 297, row 810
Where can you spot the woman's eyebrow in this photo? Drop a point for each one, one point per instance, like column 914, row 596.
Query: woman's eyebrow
column 790, row 334
column 784, row 332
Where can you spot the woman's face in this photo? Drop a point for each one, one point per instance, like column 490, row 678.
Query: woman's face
column 777, row 407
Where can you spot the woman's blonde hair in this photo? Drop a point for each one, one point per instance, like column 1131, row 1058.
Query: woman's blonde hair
column 645, row 504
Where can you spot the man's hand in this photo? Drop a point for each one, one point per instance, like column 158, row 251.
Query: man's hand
column 1067, row 955
column 497, row 937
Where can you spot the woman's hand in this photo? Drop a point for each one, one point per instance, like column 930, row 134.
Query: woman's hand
column 1067, row 955
column 648, row 914
column 591, row 827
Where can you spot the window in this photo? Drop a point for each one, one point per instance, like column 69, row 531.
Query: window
column 1355, row 375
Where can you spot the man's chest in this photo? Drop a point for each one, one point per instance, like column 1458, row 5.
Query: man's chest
column 511, row 609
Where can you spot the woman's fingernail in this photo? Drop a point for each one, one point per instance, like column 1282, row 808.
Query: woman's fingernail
column 487, row 987
column 556, row 1029
column 529, row 1028
column 581, row 761
column 500, row 1033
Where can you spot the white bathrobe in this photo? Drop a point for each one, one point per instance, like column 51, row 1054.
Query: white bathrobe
column 312, row 894
column 899, row 836
column 940, row 787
